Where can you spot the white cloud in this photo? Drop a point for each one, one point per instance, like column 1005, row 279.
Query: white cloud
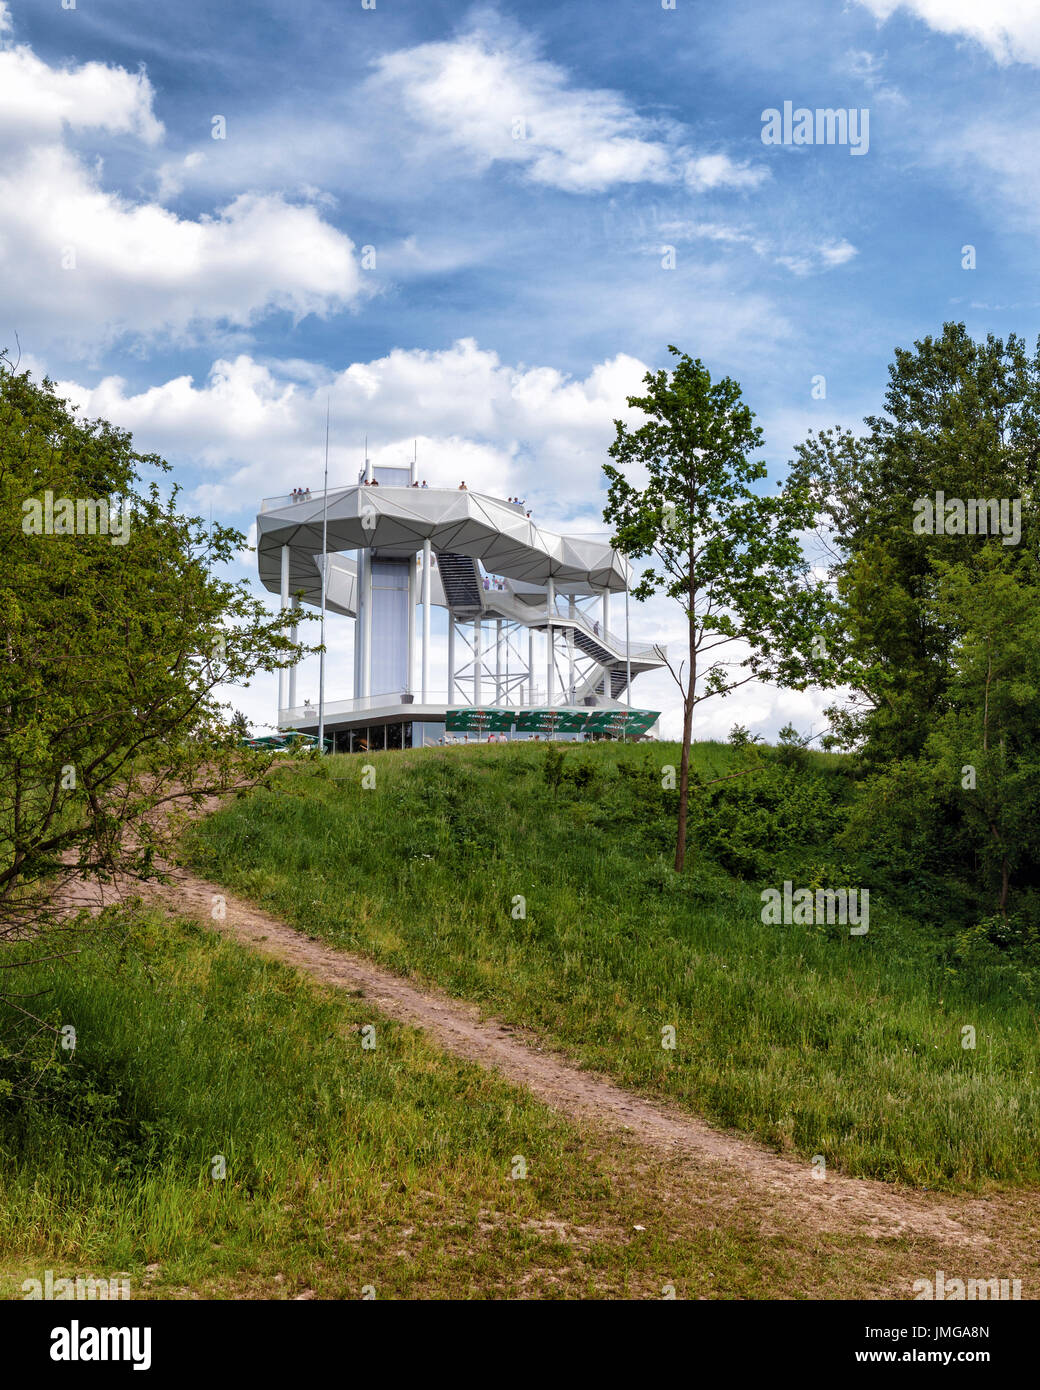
column 869, row 69
column 173, row 175
column 719, row 171
column 257, row 430
column 40, row 101
column 837, row 252
column 1008, row 29
column 488, row 94
column 991, row 158
column 83, row 264
column 806, row 259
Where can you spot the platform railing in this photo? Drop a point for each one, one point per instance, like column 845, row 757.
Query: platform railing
column 392, row 702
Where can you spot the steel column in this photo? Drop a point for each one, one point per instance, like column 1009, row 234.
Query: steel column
column 427, row 561
column 283, row 674
column 294, row 633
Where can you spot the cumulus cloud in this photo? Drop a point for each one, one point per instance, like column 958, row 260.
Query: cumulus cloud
column 39, row 101
column 1008, row 29
column 255, row 429
column 719, row 171
column 488, row 94
column 83, row 264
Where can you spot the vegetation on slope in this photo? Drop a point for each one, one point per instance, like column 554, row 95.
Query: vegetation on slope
column 350, row 1172
column 804, row 1036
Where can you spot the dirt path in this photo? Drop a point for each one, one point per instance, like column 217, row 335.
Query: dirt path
column 999, row 1228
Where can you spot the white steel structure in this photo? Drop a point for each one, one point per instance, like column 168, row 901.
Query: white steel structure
column 528, row 610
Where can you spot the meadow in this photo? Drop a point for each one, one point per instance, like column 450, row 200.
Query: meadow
column 345, row 1172
column 536, row 880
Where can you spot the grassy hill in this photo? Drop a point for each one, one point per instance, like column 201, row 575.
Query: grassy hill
column 536, row 880
column 348, row 1172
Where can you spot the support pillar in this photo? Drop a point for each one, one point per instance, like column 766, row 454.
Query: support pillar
column 413, row 587
column 358, row 562
column 366, row 628
column 283, row 674
column 550, row 604
column 451, row 657
column 476, row 661
column 294, row 633
column 427, row 562
column 628, row 651
column 604, row 624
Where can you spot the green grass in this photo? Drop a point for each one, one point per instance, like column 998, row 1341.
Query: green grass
column 346, row 1168
column 811, row 1040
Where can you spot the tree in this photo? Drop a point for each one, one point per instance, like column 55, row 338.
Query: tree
column 680, row 495
column 239, row 724
column 968, row 805
column 115, row 633
column 985, row 743
column 934, row 629
column 961, row 418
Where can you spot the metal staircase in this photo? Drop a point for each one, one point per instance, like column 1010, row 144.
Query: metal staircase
column 461, row 583
column 590, row 645
column 591, row 639
column 467, row 597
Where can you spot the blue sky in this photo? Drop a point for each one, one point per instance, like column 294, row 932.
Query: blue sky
column 517, row 172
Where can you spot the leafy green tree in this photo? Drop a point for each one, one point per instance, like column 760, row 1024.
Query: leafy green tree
column 681, row 495
column 935, row 633
column 239, row 724
column 112, row 647
column 962, row 418
column 987, row 738
column 969, row 804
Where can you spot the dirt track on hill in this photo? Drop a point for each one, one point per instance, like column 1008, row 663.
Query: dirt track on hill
column 1001, row 1230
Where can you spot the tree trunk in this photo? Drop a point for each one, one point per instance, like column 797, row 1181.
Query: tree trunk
column 684, row 783
column 687, row 730
column 1005, row 877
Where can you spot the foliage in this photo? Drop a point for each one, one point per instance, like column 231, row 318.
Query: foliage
column 111, row 651
column 726, row 553
column 801, row 1035
column 936, row 633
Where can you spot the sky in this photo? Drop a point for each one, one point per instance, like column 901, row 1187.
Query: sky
column 472, row 230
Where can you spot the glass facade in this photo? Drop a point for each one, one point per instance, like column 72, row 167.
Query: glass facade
column 374, row 738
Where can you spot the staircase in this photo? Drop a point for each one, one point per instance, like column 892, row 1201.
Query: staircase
column 467, row 598
column 592, row 686
column 589, row 645
column 461, row 583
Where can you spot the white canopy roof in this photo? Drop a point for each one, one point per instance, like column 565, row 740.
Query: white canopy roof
column 399, row 519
